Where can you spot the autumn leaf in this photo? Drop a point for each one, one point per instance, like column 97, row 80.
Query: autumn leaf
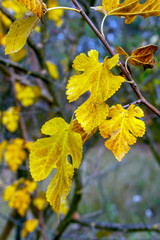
column 52, row 152
column 129, row 9
column 35, row 6
column 19, row 32
column 141, row 56
column 99, row 81
column 122, row 129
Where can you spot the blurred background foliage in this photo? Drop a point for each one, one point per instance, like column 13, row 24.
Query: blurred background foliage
column 124, row 193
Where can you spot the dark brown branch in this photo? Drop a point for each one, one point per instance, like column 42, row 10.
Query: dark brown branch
column 111, row 51
column 118, row 227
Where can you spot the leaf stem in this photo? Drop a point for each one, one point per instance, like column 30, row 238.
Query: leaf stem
column 63, row 8
column 102, row 25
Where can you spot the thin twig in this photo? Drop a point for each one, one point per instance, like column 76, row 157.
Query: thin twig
column 118, row 227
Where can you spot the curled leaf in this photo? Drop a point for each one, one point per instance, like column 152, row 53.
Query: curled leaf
column 141, row 56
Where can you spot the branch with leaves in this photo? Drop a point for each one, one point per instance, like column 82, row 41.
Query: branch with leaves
column 119, row 125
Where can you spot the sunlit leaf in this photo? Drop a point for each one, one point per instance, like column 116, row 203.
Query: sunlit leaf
column 99, row 81
column 122, row 129
column 52, row 152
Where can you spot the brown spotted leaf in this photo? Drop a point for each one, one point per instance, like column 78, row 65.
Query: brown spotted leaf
column 141, row 56
column 130, row 9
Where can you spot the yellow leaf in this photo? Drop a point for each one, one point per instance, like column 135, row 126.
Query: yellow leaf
column 19, row 32
column 19, row 56
column 2, row 147
column 130, row 9
column 53, row 70
column 15, row 154
column 57, row 14
column 35, row 6
column 29, row 226
column 52, row 152
column 122, row 129
column 10, row 119
column 99, row 81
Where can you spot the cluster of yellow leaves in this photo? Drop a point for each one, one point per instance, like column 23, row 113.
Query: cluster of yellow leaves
column 15, row 153
column 29, row 226
column 129, row 9
column 57, row 15
column 10, row 119
column 27, row 95
column 52, row 152
column 99, row 81
column 18, row 195
column 22, row 28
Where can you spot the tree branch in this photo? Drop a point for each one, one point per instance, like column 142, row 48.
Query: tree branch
column 118, row 227
column 17, row 66
column 111, row 51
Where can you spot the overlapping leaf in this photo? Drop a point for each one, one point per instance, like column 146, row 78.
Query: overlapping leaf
column 19, row 32
column 130, row 9
column 52, row 152
column 141, row 56
column 122, row 129
column 35, row 6
column 99, row 81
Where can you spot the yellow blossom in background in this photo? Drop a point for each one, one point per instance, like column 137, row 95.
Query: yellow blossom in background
column 18, row 195
column 5, row 23
column 53, row 70
column 27, row 95
column 19, row 56
column 20, row 200
column 2, row 147
column 39, row 203
column 10, row 119
column 9, row 192
column 29, row 226
column 15, row 154
column 55, row 15
column 14, row 6
column 30, row 186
